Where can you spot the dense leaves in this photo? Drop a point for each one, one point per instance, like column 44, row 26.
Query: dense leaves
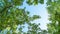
column 11, row 16
column 35, row 2
column 53, row 8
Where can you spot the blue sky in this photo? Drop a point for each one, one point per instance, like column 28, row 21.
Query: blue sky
column 40, row 10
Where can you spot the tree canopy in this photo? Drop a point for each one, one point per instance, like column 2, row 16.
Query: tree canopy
column 11, row 16
column 53, row 8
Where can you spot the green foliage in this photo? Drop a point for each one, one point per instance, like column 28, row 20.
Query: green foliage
column 32, row 29
column 11, row 16
column 35, row 2
column 41, row 1
column 53, row 8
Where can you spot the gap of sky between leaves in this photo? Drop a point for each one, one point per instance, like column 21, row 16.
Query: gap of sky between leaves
column 40, row 10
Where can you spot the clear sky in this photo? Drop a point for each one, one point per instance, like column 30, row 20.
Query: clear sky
column 40, row 10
